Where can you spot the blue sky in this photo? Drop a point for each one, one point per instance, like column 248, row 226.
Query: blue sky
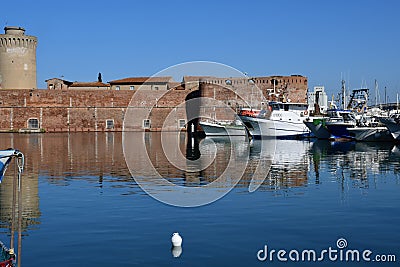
column 323, row 40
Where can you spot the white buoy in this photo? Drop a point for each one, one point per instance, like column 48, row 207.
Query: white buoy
column 176, row 240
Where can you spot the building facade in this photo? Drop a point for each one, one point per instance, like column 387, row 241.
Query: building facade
column 145, row 83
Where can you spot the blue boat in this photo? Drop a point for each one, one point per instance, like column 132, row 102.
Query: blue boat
column 338, row 122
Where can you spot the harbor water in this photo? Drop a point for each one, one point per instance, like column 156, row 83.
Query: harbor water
column 82, row 207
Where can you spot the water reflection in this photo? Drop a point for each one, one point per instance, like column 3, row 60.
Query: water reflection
column 284, row 163
column 357, row 161
column 98, row 158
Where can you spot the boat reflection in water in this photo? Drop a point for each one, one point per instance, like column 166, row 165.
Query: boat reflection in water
column 285, row 162
column 357, row 161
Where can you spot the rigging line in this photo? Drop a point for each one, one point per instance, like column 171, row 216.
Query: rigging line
column 19, row 160
column 13, row 207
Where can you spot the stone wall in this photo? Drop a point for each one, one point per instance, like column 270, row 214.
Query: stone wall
column 78, row 110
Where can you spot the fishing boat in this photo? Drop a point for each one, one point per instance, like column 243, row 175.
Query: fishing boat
column 339, row 122
column 283, row 120
column 353, row 123
column 223, row 128
column 316, row 125
column 369, row 128
column 8, row 257
column 393, row 124
column 370, row 133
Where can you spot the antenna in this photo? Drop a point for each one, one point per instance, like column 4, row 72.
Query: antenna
column 376, row 92
column 343, row 94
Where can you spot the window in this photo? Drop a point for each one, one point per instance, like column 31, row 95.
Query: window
column 132, row 87
column 155, row 87
column 117, row 88
column 33, row 123
column 146, row 124
column 109, row 124
column 182, row 123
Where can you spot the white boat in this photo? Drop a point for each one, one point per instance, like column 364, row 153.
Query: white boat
column 281, row 120
column 220, row 128
column 370, row 133
column 393, row 124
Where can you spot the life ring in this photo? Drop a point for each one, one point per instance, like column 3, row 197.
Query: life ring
column 305, row 112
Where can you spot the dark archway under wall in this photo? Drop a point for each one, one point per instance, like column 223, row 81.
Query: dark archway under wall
column 193, row 104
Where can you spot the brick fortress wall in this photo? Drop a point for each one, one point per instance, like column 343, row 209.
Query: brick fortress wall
column 76, row 110
column 88, row 110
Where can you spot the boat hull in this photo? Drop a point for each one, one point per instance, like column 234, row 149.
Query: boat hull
column 339, row 129
column 370, row 134
column 393, row 127
column 211, row 129
column 261, row 127
column 317, row 127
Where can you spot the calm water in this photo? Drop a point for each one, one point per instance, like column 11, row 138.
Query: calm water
column 82, row 208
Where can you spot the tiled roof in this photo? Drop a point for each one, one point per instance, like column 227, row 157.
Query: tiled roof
column 141, row 80
column 89, row 84
column 196, row 78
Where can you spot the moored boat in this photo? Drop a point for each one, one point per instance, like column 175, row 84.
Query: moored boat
column 317, row 127
column 370, row 133
column 280, row 120
column 393, row 124
column 339, row 122
column 235, row 128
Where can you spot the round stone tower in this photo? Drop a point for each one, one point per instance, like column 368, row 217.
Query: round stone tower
column 17, row 59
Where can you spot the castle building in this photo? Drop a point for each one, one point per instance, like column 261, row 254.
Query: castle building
column 17, row 59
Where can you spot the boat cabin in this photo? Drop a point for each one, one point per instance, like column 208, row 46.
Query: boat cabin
column 287, row 106
column 340, row 114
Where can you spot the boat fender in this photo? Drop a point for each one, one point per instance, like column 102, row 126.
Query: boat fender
column 305, row 112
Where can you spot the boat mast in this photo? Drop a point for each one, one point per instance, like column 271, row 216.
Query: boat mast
column 343, row 94
column 376, row 93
